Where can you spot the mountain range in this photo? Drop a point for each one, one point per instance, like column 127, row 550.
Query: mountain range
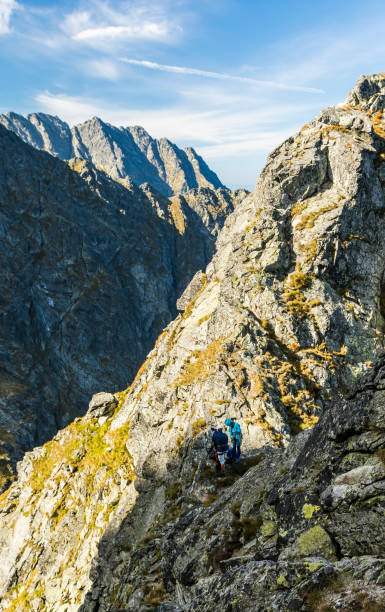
column 119, row 151
column 283, row 331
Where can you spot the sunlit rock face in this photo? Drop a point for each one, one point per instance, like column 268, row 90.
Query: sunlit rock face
column 91, row 269
column 120, row 151
column 286, row 317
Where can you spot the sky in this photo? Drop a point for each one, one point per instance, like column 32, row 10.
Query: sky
column 232, row 78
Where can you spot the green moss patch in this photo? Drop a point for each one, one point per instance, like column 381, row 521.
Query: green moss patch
column 316, row 542
column 308, row 510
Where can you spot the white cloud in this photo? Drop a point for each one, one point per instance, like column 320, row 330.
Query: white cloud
column 261, row 141
column 177, row 122
column 234, row 142
column 102, row 24
column 151, row 31
column 6, row 9
column 219, row 75
column 75, row 22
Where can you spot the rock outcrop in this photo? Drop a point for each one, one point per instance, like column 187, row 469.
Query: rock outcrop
column 90, row 273
column 120, row 151
column 126, row 512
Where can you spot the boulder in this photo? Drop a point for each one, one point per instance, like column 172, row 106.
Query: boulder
column 101, row 405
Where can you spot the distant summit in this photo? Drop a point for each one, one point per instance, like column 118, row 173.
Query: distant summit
column 120, row 151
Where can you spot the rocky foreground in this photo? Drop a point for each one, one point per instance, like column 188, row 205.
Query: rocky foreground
column 122, row 510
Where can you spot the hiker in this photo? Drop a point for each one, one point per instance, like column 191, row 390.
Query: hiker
column 235, row 434
column 221, row 445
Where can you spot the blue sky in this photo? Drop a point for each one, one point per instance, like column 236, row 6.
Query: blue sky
column 232, row 78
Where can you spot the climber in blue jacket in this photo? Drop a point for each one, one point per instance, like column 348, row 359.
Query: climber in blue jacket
column 235, row 434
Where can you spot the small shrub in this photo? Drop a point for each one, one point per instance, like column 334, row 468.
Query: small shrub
column 250, row 526
column 203, row 319
column 209, row 530
column 210, row 499
column 235, row 509
column 154, row 594
column 198, row 426
column 172, row 492
column 199, row 365
column 380, row 453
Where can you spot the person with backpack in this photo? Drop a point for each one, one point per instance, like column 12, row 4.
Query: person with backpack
column 221, row 445
column 235, row 434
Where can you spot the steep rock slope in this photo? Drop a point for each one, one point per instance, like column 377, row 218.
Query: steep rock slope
column 303, row 530
column 41, row 131
column 122, row 509
column 90, row 273
column 119, row 151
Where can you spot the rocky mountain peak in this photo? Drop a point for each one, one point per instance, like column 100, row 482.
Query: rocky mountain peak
column 368, row 93
column 120, row 151
column 141, row 137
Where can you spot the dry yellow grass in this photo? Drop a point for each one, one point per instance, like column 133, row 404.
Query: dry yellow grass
column 177, row 215
column 199, row 365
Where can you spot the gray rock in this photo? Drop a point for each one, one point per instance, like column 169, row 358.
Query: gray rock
column 191, row 290
column 101, row 405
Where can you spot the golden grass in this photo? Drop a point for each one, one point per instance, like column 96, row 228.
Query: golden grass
column 199, row 365
column 177, row 215
column 309, row 220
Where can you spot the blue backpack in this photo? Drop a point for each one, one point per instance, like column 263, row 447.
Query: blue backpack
column 221, row 441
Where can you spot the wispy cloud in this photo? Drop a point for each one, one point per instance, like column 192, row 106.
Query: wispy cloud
column 102, row 24
column 6, row 9
column 148, row 30
column 180, row 121
column 223, row 76
column 221, row 136
column 75, row 22
column 263, row 141
column 217, row 132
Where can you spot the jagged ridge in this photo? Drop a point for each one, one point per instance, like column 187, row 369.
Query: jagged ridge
column 120, row 151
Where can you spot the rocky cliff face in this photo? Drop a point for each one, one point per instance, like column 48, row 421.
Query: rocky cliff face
column 119, row 151
column 90, row 273
column 122, row 510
